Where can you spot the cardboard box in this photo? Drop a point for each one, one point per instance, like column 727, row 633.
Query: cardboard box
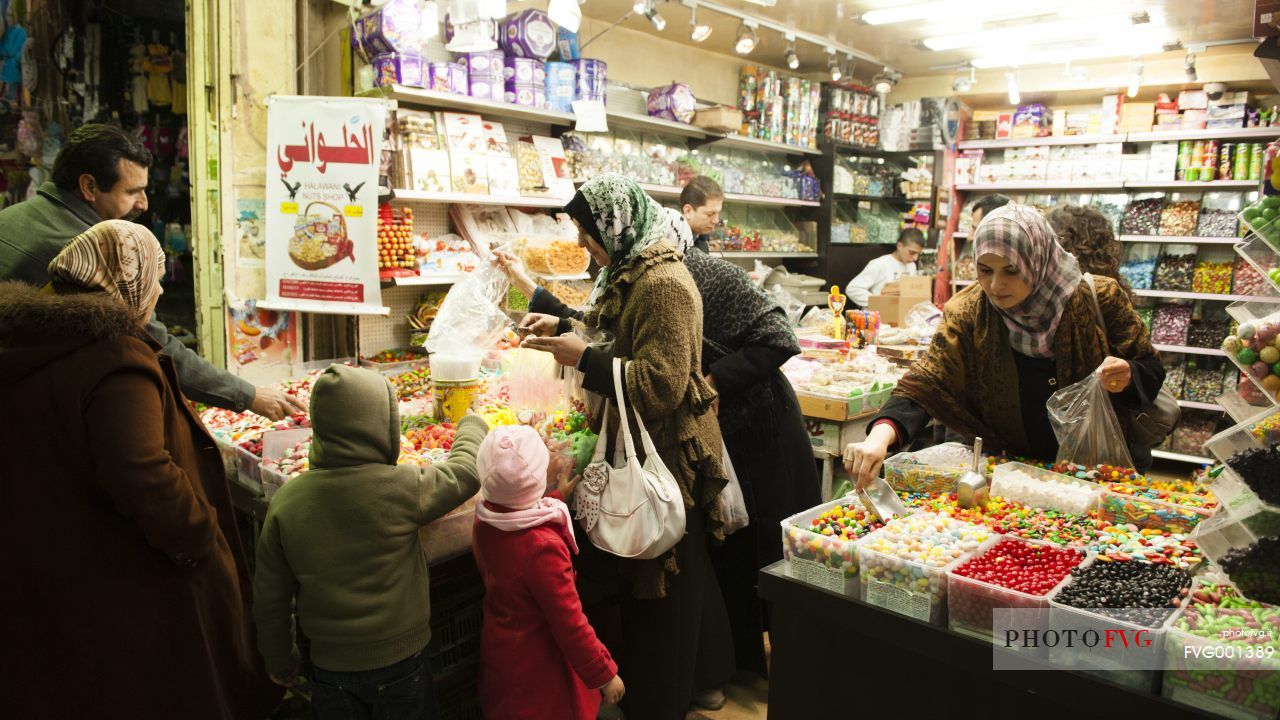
column 813, row 406
column 893, row 309
column 916, row 285
column 719, row 118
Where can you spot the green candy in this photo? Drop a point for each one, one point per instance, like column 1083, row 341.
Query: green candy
column 1247, row 356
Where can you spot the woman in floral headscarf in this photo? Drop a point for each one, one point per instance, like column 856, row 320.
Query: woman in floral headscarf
column 1027, row 328
column 674, row 630
column 117, row 533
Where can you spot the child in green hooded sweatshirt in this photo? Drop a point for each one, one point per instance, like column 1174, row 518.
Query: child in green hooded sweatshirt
column 342, row 538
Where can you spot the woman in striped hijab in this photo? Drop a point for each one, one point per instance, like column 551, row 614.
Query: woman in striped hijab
column 120, row 258
column 1028, row 328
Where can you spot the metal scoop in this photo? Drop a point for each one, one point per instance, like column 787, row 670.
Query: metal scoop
column 973, row 489
column 881, row 501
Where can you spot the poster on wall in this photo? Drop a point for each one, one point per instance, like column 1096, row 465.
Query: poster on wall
column 264, row 343
column 323, row 156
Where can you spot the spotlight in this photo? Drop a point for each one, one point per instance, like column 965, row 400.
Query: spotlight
column 659, row 22
column 833, row 66
column 964, row 84
column 884, row 81
column 1135, row 80
column 748, row 38
column 1011, row 78
column 640, row 6
column 1190, row 67
column 793, row 60
column 697, row 32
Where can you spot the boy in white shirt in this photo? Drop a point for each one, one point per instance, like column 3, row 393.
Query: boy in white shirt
column 887, row 268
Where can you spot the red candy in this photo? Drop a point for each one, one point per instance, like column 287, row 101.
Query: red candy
column 1031, row 569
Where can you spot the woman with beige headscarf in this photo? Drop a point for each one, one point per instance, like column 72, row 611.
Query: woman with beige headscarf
column 129, row 597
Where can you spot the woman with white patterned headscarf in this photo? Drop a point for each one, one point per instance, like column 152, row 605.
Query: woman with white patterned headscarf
column 139, row 572
column 1026, row 329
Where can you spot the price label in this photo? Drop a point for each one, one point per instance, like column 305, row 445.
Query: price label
column 289, row 208
column 353, row 211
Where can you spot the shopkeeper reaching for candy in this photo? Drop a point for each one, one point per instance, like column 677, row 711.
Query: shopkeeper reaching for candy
column 1030, row 324
column 101, row 174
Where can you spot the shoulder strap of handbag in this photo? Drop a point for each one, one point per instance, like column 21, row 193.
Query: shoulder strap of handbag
column 645, row 441
column 619, row 370
column 1097, row 309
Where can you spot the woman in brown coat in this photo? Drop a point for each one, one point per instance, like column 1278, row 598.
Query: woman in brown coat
column 126, row 596
column 675, row 640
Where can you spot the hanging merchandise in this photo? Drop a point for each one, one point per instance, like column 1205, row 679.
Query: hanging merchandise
column 28, row 135
column 183, row 143
column 164, row 142
column 158, row 65
column 179, row 83
column 138, row 81
column 12, row 44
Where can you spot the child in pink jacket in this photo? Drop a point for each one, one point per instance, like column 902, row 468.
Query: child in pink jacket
column 539, row 657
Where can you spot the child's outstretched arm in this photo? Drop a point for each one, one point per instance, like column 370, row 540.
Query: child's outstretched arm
column 274, row 587
column 444, row 486
column 550, row 581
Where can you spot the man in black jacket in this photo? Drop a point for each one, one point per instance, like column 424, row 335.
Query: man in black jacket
column 101, row 174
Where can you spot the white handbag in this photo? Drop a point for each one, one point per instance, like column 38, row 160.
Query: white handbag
column 634, row 511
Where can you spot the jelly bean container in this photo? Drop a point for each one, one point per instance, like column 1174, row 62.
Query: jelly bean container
column 934, row 470
column 1042, row 488
column 824, row 560
column 449, row 536
column 1136, row 655
column 903, row 566
column 1150, row 514
column 395, row 368
column 248, row 469
column 1261, row 218
column 275, row 445
column 1232, row 486
column 971, row 602
column 1204, row 634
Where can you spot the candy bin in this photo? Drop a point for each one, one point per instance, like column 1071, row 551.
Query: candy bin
column 1261, row 219
column 1213, row 271
column 819, row 545
column 1044, row 489
column 1175, row 374
column 1265, row 261
column 932, row 470
column 1222, row 654
column 1104, row 599
column 1170, row 324
column 1013, row 573
column 1204, row 380
column 1176, row 269
column 1180, row 214
column 1255, row 349
column 1218, row 215
column 1249, row 484
column 904, row 564
column 395, row 360
column 1139, row 266
column 1126, row 505
column 1193, row 430
column 1112, row 206
column 1142, row 214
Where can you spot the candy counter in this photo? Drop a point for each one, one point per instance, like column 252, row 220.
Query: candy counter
column 1078, row 548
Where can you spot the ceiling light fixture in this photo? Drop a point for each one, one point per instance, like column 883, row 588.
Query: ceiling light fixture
column 884, row 81
column 748, row 38
column 964, row 84
column 655, row 17
column 1057, row 30
column 833, row 65
column 697, row 32
column 639, row 6
column 793, row 60
column 1135, row 79
column 1122, row 44
column 1189, row 67
column 1011, row 79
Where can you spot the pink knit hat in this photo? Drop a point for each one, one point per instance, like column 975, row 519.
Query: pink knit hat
column 512, row 465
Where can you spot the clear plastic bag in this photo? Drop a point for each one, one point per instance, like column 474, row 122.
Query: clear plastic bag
column 533, row 381
column 733, row 506
column 471, row 318
column 789, row 303
column 1086, row 425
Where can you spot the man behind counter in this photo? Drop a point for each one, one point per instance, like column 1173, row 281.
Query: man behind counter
column 887, row 268
column 701, row 201
column 101, row 174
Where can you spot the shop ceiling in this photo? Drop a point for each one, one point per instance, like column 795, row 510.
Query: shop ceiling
column 933, row 36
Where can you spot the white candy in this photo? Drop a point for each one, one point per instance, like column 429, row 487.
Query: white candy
column 1018, row 486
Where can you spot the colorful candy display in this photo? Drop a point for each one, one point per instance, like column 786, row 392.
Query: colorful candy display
column 1259, row 468
column 1128, row 543
column 1256, row 349
column 1169, row 327
column 1135, row 508
column 1037, row 488
column 1011, row 518
column 1143, row 594
column 903, row 565
column 818, row 545
column 1176, row 272
column 1011, row 574
column 1213, row 277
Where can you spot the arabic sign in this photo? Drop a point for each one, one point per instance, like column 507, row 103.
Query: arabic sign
column 322, row 204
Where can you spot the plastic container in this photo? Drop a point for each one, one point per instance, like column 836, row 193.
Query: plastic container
column 932, row 470
column 970, row 602
column 393, row 368
column 1261, row 218
column 249, row 469
column 1035, row 491
column 449, row 536
column 824, row 561
column 908, row 587
column 1264, row 258
column 1121, row 509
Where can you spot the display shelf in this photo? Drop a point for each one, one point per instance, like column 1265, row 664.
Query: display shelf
column 1241, row 409
column 765, row 200
column 1178, row 295
column 1193, row 405
column 874, row 198
column 1037, row 186
column 659, row 126
column 745, row 143
column 1192, row 185
column 1223, row 134
column 439, row 280
column 1189, row 350
column 1179, row 457
column 852, row 149
column 474, row 199
column 1036, row 142
column 763, row 255
column 1179, row 239
column 435, row 100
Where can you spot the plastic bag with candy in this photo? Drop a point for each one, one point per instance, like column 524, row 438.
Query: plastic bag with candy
column 471, row 316
column 733, row 506
column 1086, row 425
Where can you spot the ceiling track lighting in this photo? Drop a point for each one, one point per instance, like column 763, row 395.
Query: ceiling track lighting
column 833, row 65
column 1011, row 79
column 1135, row 79
column 1189, row 67
column 748, row 38
column 697, row 32
column 884, row 81
column 964, row 84
column 651, row 12
column 793, row 60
